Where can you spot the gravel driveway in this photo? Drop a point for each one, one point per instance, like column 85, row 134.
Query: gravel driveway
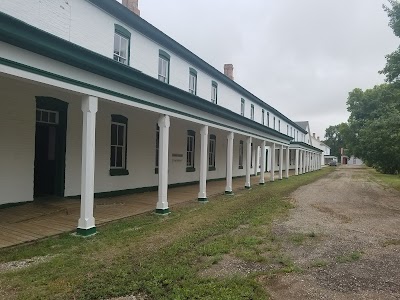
column 345, row 236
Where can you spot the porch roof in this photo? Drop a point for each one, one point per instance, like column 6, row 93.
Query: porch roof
column 304, row 145
column 25, row 36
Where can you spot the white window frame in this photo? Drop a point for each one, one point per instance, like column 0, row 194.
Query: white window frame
column 252, row 112
column 212, row 142
column 242, row 106
column 163, row 69
column 46, row 120
column 117, row 52
column 214, row 93
column 190, row 140
column 113, row 164
column 263, row 117
column 192, row 83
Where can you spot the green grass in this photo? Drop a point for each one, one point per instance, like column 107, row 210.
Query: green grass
column 392, row 181
column 319, row 263
column 351, row 257
column 162, row 256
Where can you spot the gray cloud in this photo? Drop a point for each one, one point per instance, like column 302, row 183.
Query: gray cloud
column 302, row 57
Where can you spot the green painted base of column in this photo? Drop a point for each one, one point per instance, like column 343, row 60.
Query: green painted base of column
column 163, row 212
column 247, row 187
column 262, row 183
column 86, row 232
column 229, row 193
column 202, row 200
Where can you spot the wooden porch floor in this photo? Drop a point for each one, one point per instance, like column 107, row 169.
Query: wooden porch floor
column 44, row 218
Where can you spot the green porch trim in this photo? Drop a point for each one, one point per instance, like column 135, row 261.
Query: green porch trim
column 229, row 193
column 202, row 200
column 162, row 212
column 247, row 187
column 85, row 232
column 307, row 146
column 8, row 205
column 262, row 183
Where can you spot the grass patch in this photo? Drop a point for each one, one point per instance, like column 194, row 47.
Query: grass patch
column 392, row 242
column 351, row 257
column 319, row 263
column 392, row 181
column 161, row 256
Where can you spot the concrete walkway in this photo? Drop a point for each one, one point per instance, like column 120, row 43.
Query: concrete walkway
column 44, row 218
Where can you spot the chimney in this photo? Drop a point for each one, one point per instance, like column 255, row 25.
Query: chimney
column 132, row 5
column 313, row 135
column 228, row 71
column 318, row 138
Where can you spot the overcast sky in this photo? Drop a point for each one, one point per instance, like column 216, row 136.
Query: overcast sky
column 302, row 57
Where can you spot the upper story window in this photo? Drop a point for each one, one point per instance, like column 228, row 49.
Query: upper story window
column 279, row 125
column 252, row 112
column 297, row 136
column 287, row 129
column 291, row 131
column 193, row 81
column 274, row 123
column 242, row 107
column 262, row 116
column 268, row 119
column 214, row 92
column 163, row 66
column 122, row 39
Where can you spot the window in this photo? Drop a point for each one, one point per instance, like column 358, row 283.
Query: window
column 46, row 116
column 287, row 129
column 274, row 122
column 297, row 136
column 262, row 117
column 163, row 66
column 211, row 152
column 214, row 92
column 157, row 146
column 252, row 112
column 121, row 44
column 242, row 107
column 251, row 155
column 192, row 81
column 241, row 155
column 291, row 131
column 268, row 119
column 118, row 155
column 190, row 144
column 279, row 125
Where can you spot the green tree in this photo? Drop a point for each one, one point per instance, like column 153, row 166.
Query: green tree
column 392, row 68
column 334, row 138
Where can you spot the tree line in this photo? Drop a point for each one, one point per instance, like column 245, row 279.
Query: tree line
column 372, row 132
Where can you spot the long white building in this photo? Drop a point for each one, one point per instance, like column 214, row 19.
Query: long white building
column 96, row 101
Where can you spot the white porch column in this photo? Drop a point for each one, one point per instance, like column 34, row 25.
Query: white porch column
column 281, row 162
column 203, row 164
column 229, row 164
column 296, row 163
column 256, row 159
column 287, row 165
column 162, row 204
column 308, row 162
column 301, row 162
column 262, row 163
column 248, row 162
column 272, row 177
column 304, row 162
column 86, row 223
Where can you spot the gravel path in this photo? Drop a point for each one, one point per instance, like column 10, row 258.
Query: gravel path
column 348, row 240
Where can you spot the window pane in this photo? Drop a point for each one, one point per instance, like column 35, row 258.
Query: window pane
column 52, row 118
column 45, row 116
column 113, row 134
column 121, row 135
column 119, row 157
column 38, row 114
column 117, row 44
column 112, row 159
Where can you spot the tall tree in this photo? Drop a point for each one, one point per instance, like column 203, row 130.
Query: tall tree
column 334, row 138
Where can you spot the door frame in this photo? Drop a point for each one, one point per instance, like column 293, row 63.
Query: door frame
column 50, row 103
